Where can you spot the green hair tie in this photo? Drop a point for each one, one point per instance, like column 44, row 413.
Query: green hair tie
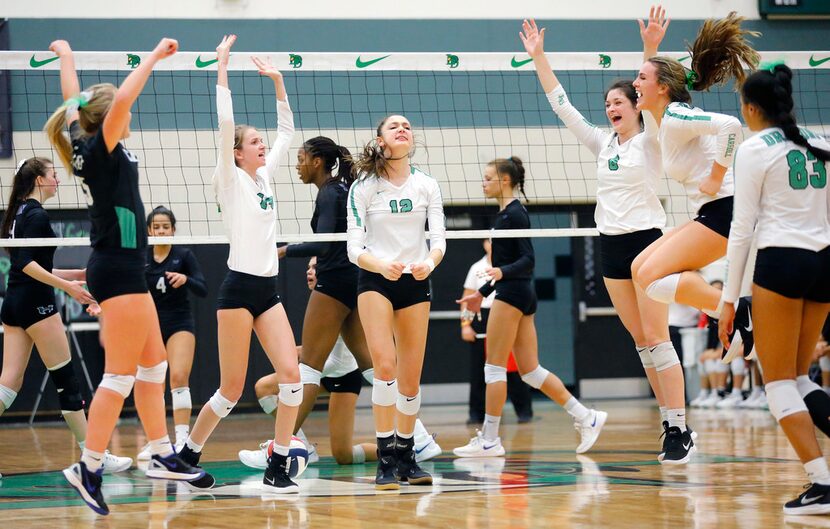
column 691, row 79
column 770, row 66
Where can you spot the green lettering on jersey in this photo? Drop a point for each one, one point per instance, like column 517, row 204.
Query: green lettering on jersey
column 264, row 201
column 614, row 163
column 405, row 206
column 800, row 177
column 126, row 225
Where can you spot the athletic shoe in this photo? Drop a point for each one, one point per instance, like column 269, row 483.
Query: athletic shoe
column 88, row 485
column 703, row 395
column 113, row 464
column 731, row 401
column 144, row 455
column 256, row 458
column 386, row 477
column 750, row 400
column 408, row 469
column 711, row 401
column 678, row 447
column 662, row 453
column 761, row 402
column 480, row 447
column 172, row 467
column 276, row 480
column 313, row 456
column 206, row 481
column 814, row 500
column 426, row 448
column 589, row 430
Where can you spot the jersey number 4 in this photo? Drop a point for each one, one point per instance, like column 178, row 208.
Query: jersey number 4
column 161, row 286
column 800, row 177
column 405, row 205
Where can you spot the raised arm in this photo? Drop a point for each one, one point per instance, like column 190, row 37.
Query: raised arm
column 70, row 87
column 534, row 42
column 225, row 165
column 653, row 33
column 285, row 118
column 118, row 116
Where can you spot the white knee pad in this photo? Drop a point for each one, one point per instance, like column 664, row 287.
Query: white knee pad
column 664, row 356
column 220, row 405
column 291, row 394
column 711, row 366
column 806, row 386
column 409, row 405
column 784, row 399
column 494, row 374
column 384, row 392
column 536, row 378
column 720, row 367
column 738, row 367
column 645, row 357
column 268, row 403
column 121, row 384
column 309, row 375
column 824, row 363
column 664, row 289
column 153, row 374
column 181, row 398
column 369, row 375
column 7, row 396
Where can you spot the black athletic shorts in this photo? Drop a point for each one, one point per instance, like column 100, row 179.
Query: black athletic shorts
column 28, row 303
column 794, row 272
column 341, row 284
column 256, row 294
column 717, row 215
column 173, row 322
column 617, row 252
column 116, row 272
column 348, row 383
column 403, row 293
column 519, row 293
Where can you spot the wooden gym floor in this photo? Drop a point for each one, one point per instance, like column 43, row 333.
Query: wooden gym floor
column 743, row 473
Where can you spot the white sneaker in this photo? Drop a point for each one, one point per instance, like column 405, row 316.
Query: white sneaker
column 426, row 448
column 711, row 401
column 761, row 402
column 731, row 401
column 144, row 455
column 589, row 430
column 255, row 458
column 750, row 400
column 480, row 447
column 703, row 395
column 313, row 456
column 114, row 464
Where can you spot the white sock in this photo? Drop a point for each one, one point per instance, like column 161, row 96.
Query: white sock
column 161, row 447
column 677, row 417
column 93, row 460
column 490, row 428
column 663, row 415
column 384, row 435
column 358, row 455
column 193, row 446
column 280, row 450
column 736, row 392
column 817, row 471
column 576, row 409
column 182, row 433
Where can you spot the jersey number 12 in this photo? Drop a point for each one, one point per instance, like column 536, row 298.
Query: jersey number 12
column 405, row 205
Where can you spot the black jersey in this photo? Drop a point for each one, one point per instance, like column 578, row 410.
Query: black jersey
column 111, row 185
column 167, row 298
column 515, row 257
column 31, row 221
column 329, row 217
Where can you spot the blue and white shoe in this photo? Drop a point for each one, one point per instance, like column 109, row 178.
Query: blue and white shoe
column 589, row 430
column 480, row 447
column 426, row 448
column 88, row 486
column 172, row 467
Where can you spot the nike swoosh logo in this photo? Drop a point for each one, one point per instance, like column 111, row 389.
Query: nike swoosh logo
column 595, row 421
column 34, row 63
column 294, row 390
column 390, row 383
column 410, row 399
column 417, row 451
column 686, row 446
column 488, row 447
column 337, row 385
column 518, row 64
column 686, row 58
column 271, row 481
column 203, row 64
column 364, row 64
column 749, row 327
column 805, row 500
column 813, row 62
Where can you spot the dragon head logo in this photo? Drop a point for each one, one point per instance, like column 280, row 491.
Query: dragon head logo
column 604, row 60
column 452, row 60
column 133, row 60
column 296, row 61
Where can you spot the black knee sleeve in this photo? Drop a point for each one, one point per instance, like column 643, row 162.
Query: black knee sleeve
column 818, row 403
column 348, row 383
column 69, row 390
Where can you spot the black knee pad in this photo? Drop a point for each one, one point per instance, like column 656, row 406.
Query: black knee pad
column 69, row 390
column 348, row 383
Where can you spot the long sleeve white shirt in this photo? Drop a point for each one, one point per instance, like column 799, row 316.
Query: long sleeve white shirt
column 690, row 141
column 627, row 174
column 389, row 221
column 781, row 197
column 247, row 204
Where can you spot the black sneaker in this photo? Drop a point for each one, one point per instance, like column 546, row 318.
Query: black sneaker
column 276, row 478
column 408, row 469
column 172, row 467
column 386, row 477
column 814, row 500
column 191, row 458
column 662, row 453
column 88, row 485
column 678, row 446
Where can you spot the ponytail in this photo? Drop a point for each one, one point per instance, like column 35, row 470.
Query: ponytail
column 23, row 185
column 514, row 168
column 372, row 160
column 335, row 157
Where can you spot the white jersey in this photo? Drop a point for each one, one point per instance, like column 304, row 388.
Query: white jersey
column 683, row 315
column 247, row 205
column 340, row 362
column 389, row 221
column 627, row 174
column 691, row 140
column 781, row 198
column 474, row 282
